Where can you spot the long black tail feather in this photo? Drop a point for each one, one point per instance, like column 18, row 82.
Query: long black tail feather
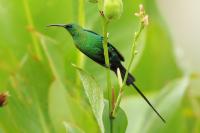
column 144, row 97
column 130, row 81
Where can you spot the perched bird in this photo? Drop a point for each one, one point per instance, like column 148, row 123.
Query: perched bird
column 91, row 44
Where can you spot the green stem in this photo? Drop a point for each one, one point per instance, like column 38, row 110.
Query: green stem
column 105, row 47
column 81, row 21
column 133, row 52
column 31, row 25
column 119, row 97
column 106, row 55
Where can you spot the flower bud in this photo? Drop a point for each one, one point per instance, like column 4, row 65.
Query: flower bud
column 3, row 98
column 112, row 9
column 144, row 18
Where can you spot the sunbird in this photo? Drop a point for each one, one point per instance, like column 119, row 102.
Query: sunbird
column 91, row 44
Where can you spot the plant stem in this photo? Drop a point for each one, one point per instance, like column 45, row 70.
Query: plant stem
column 81, row 21
column 31, row 26
column 105, row 47
column 107, row 62
column 119, row 97
column 133, row 53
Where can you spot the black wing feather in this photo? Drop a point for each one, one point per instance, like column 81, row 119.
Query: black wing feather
column 115, row 50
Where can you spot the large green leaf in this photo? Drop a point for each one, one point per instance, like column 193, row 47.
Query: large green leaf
column 94, row 94
column 28, row 104
column 119, row 123
column 68, row 109
column 63, row 108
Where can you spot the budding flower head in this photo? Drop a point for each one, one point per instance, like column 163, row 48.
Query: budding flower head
column 3, row 98
column 112, row 9
column 119, row 76
column 144, row 18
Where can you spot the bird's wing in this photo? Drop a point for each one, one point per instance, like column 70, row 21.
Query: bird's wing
column 116, row 51
column 109, row 45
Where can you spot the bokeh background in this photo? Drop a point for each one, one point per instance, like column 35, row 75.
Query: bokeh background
column 46, row 91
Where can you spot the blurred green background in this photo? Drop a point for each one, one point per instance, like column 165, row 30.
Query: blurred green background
column 46, row 93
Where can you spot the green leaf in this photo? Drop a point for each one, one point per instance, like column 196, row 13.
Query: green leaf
column 141, row 116
column 62, row 107
column 119, row 123
column 27, row 106
column 94, row 94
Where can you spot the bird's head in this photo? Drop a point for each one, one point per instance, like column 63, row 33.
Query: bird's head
column 72, row 28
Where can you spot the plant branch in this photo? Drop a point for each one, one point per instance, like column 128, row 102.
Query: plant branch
column 133, row 53
column 107, row 62
column 144, row 21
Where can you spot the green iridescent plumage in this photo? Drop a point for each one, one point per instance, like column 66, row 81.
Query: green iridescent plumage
column 91, row 44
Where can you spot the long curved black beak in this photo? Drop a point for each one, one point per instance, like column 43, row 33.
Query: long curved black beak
column 66, row 26
column 57, row 25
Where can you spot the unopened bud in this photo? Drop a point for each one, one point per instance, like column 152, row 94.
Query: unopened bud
column 146, row 20
column 137, row 14
column 119, row 76
column 3, row 98
column 113, row 9
column 141, row 7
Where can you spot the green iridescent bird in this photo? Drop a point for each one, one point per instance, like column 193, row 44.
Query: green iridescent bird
column 91, row 44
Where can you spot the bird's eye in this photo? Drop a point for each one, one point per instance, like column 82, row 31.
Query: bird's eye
column 69, row 26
